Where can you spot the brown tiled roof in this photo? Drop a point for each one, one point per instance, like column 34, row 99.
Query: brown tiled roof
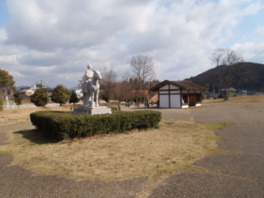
column 187, row 85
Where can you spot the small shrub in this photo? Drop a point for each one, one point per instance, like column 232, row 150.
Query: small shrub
column 40, row 98
column 114, row 109
column 60, row 95
column 18, row 98
column 64, row 125
column 73, row 98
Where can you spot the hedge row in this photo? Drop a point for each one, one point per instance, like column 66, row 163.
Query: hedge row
column 65, row 125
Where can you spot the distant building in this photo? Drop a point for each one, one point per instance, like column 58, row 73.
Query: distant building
column 231, row 92
column 28, row 91
column 178, row 94
column 241, row 92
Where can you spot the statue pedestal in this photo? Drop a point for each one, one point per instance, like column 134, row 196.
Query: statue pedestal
column 92, row 110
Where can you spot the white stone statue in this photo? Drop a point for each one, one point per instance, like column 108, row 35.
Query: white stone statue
column 91, row 87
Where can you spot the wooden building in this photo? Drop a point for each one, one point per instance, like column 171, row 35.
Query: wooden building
column 178, row 94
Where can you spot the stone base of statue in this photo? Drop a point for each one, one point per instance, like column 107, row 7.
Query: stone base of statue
column 92, row 110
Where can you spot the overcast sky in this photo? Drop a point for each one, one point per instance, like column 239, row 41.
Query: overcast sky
column 54, row 40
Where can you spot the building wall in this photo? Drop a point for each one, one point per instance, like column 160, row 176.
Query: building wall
column 169, row 97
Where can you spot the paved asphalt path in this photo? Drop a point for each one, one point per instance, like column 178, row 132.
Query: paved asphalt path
column 238, row 173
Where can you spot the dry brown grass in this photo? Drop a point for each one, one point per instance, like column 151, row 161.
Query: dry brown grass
column 246, row 100
column 157, row 152
column 20, row 115
column 238, row 100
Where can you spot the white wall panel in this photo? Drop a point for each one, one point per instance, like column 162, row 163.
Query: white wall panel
column 164, row 101
column 175, row 101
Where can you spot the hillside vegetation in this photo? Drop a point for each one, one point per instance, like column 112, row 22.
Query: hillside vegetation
column 249, row 76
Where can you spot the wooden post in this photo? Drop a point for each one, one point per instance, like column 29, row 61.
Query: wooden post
column 158, row 102
column 181, row 97
column 188, row 99
column 169, row 96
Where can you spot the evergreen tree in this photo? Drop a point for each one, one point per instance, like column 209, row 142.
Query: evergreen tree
column 40, row 97
column 18, row 98
column 74, row 99
column 7, row 84
column 6, row 80
column 60, row 95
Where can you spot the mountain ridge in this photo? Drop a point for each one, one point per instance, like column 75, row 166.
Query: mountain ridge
column 245, row 75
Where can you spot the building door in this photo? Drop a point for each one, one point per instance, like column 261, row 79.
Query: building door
column 192, row 99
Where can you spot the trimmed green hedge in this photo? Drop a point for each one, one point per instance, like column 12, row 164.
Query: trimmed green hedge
column 65, row 125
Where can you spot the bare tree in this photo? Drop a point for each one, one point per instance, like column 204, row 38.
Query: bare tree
column 221, row 56
column 142, row 67
column 228, row 57
column 231, row 57
column 124, row 89
column 108, row 84
column 143, row 71
column 217, row 56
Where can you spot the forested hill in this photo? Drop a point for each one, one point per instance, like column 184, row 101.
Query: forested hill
column 249, row 76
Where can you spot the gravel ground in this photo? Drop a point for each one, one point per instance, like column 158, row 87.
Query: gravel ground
column 229, row 113
column 242, row 138
column 191, row 184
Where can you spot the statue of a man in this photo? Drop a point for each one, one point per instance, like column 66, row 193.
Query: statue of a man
column 87, row 85
column 90, row 85
column 89, row 73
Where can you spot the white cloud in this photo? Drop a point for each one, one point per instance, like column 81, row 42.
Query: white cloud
column 3, row 35
column 252, row 52
column 59, row 38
